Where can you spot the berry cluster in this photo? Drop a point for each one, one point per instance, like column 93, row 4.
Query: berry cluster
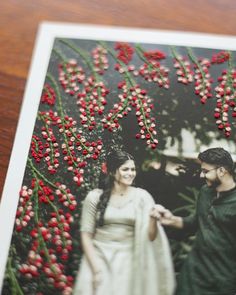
column 50, row 242
column 44, row 192
column 155, row 72
column 226, row 100
column 120, row 110
column 132, row 96
column 71, row 76
column 31, row 268
column 92, row 100
column 50, row 118
column 122, row 68
column 125, row 52
column 42, row 260
column 59, row 225
column 137, row 98
column 48, row 95
column 154, row 55
column 49, row 150
column 74, row 143
column 203, row 80
column 183, row 70
column 100, row 60
column 24, row 211
column 56, row 233
column 36, row 148
column 143, row 107
column 220, row 57
column 152, row 70
column 51, row 153
column 66, row 197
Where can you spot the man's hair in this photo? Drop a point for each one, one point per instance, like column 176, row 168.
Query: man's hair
column 218, row 157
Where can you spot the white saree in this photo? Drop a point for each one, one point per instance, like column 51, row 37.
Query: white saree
column 153, row 271
column 131, row 264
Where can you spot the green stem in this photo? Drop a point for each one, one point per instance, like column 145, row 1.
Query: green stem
column 55, row 86
column 60, row 55
column 16, row 287
column 34, row 170
column 229, row 73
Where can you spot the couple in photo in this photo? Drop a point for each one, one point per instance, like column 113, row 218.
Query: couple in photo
column 126, row 250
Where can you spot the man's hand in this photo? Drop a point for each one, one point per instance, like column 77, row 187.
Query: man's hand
column 159, row 212
column 166, row 217
column 156, row 211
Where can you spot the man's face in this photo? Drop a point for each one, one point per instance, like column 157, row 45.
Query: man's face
column 209, row 173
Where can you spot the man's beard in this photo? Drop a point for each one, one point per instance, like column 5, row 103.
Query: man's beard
column 213, row 183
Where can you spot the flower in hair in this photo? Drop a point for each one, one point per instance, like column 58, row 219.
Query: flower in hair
column 104, row 168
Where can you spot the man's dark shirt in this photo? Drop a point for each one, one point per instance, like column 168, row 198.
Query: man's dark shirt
column 210, row 268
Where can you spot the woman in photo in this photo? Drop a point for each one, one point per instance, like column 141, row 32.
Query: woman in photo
column 125, row 248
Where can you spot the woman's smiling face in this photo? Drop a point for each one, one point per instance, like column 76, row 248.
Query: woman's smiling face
column 126, row 173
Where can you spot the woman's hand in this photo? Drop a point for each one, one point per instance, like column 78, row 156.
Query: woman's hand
column 157, row 211
column 166, row 217
column 97, row 279
column 154, row 215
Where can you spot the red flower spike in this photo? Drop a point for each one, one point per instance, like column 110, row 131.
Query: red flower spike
column 74, row 145
column 138, row 99
column 55, row 233
column 48, row 95
column 183, row 70
column 100, row 59
column 220, row 57
column 36, row 148
column 49, row 150
column 154, row 55
column 125, row 52
column 203, row 80
column 92, row 101
column 25, row 209
column 153, row 71
column 226, row 100
column 111, row 121
column 71, row 75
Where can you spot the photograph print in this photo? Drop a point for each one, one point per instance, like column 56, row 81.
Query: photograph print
column 129, row 184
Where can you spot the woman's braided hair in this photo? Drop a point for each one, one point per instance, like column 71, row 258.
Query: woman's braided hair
column 114, row 160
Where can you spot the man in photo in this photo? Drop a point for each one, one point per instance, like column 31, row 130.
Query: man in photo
column 210, row 267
